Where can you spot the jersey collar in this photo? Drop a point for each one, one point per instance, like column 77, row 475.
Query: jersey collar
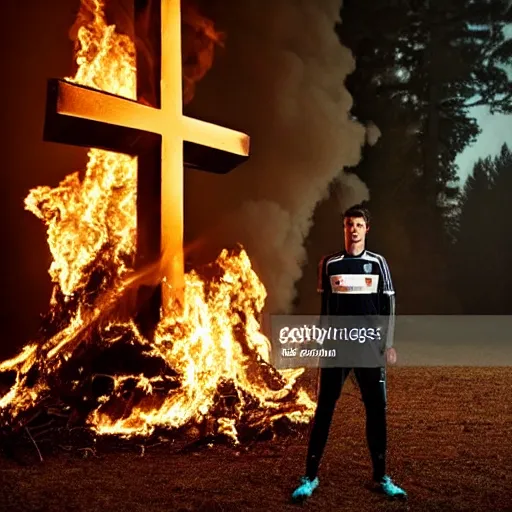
column 347, row 255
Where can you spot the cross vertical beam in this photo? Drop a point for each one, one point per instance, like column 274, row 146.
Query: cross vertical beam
column 172, row 147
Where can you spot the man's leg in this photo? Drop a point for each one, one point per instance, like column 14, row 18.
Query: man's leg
column 372, row 382
column 329, row 390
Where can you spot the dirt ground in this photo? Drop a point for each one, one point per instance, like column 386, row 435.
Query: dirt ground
column 449, row 446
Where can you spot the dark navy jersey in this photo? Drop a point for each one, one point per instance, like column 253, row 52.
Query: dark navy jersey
column 357, row 285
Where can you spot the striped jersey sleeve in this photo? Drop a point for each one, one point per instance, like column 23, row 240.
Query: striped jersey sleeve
column 387, row 283
column 322, row 282
column 388, row 301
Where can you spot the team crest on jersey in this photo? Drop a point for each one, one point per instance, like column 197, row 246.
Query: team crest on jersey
column 367, row 267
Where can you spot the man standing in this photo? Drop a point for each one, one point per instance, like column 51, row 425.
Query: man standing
column 354, row 261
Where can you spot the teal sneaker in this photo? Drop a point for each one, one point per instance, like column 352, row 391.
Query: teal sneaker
column 390, row 489
column 305, row 489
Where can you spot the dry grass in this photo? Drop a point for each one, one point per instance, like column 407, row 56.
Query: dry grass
column 450, row 446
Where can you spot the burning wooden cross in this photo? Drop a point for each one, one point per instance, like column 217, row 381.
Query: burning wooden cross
column 162, row 138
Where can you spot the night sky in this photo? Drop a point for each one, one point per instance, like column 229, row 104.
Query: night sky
column 35, row 46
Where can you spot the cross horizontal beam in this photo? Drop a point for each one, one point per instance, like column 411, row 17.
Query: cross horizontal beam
column 86, row 117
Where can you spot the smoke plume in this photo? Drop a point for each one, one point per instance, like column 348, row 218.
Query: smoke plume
column 279, row 78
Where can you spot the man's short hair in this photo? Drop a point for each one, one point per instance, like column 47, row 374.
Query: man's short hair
column 358, row 210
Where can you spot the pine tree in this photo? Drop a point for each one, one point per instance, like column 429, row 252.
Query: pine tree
column 483, row 248
column 499, row 232
column 471, row 253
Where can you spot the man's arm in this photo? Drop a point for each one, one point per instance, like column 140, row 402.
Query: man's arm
column 387, row 301
column 323, row 287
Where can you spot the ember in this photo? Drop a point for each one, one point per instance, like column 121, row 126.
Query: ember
column 206, row 366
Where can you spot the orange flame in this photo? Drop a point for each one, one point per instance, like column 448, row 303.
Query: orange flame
column 91, row 226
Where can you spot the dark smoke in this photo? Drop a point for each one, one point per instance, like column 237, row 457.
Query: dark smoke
column 280, row 78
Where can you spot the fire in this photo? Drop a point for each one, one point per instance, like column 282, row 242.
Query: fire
column 211, row 355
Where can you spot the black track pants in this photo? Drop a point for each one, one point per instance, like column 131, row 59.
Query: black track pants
column 372, row 383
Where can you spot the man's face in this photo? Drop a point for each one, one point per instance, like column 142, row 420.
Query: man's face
column 355, row 230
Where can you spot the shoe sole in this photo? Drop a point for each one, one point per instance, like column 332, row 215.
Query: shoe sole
column 299, row 500
column 373, row 487
column 396, row 497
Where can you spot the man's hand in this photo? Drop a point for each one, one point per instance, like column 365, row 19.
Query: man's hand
column 391, row 355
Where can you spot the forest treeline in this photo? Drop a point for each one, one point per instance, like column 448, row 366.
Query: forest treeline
column 421, row 67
